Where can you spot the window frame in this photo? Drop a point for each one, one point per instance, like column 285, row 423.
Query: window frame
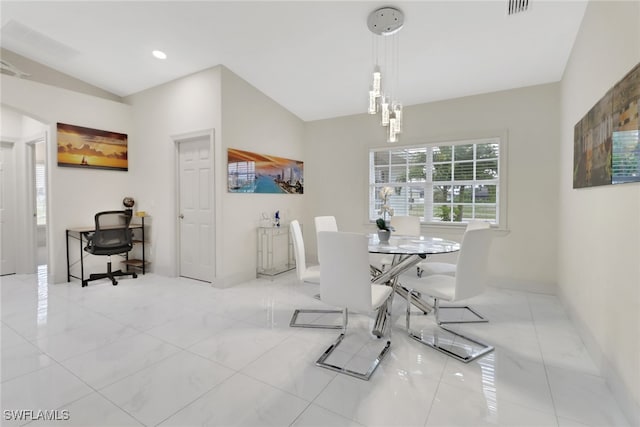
column 501, row 182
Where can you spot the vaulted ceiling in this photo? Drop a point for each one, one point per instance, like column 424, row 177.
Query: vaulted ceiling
column 312, row 57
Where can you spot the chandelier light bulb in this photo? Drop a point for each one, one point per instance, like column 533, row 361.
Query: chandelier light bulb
column 377, row 81
column 393, row 135
column 385, row 111
column 373, row 104
column 397, row 114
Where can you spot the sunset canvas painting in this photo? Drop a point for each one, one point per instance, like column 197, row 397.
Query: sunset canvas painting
column 91, row 148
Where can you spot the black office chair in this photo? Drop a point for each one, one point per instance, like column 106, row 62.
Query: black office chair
column 112, row 237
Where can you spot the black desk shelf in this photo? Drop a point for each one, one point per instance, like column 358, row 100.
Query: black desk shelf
column 139, row 239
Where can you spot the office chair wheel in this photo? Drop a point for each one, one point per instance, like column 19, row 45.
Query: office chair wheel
column 114, row 282
column 135, row 275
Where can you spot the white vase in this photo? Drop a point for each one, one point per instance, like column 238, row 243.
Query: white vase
column 383, row 236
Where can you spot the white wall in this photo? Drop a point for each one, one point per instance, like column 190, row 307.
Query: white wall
column 599, row 233
column 337, row 172
column 75, row 195
column 242, row 118
column 252, row 121
column 185, row 105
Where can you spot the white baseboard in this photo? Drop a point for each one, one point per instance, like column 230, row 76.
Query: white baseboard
column 620, row 392
column 233, row 279
column 523, row 285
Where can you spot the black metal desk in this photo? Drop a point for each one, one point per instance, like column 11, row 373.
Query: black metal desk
column 407, row 251
column 81, row 235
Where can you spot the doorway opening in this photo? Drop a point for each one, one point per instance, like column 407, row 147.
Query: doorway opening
column 24, row 214
column 8, row 212
column 38, row 201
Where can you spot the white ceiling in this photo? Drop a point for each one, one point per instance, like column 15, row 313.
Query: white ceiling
column 312, row 57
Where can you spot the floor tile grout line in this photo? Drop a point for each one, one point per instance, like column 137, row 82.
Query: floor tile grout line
column 93, row 390
column 199, row 396
column 133, row 372
column 544, row 363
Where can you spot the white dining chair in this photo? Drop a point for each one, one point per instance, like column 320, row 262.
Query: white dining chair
column 345, row 283
column 405, row 226
column 304, row 273
column 435, row 267
column 470, row 280
column 324, row 223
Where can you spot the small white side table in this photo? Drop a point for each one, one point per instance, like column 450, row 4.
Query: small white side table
column 275, row 251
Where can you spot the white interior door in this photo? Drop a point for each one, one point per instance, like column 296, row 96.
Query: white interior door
column 7, row 210
column 195, row 209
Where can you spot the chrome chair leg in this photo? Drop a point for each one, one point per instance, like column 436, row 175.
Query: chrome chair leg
column 294, row 324
column 479, row 317
column 321, row 362
column 447, row 345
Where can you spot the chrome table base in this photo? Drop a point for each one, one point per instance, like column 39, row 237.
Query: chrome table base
column 400, row 264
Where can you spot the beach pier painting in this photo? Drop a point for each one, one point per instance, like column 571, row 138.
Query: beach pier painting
column 249, row 172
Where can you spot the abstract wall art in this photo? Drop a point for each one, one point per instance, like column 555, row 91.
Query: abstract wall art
column 606, row 145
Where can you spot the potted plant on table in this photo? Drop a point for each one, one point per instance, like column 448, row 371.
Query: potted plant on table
column 384, row 229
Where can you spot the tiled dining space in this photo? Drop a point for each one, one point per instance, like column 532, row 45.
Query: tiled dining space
column 176, row 352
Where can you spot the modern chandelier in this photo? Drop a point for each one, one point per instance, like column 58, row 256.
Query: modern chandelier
column 385, row 23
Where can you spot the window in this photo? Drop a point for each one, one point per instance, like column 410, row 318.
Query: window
column 452, row 182
column 241, row 176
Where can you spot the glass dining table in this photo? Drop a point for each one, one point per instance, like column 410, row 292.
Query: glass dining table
column 407, row 252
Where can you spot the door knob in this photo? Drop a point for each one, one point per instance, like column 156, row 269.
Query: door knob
column 181, row 216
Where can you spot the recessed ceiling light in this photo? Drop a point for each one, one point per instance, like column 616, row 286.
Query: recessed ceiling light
column 159, row 54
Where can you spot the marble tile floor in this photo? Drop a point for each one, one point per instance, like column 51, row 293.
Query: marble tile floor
column 176, row 352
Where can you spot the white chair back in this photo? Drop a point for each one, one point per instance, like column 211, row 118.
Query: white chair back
column 472, row 269
column 477, row 225
column 406, row 225
column 325, row 223
column 344, row 276
column 298, row 248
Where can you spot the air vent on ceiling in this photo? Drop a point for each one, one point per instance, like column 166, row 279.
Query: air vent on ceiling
column 517, row 6
column 33, row 44
column 12, row 70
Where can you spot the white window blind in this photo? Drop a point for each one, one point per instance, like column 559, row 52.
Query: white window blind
column 452, row 182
